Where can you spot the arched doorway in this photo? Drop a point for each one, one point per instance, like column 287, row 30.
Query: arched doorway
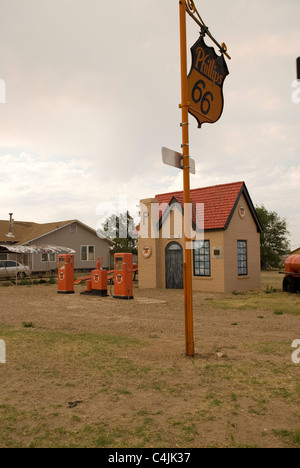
column 174, row 266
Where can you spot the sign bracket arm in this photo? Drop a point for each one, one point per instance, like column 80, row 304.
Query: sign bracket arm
column 191, row 8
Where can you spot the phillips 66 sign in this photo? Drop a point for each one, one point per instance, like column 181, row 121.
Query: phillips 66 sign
column 205, row 83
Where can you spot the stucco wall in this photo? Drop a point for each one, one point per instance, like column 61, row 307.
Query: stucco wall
column 242, row 229
column 148, row 267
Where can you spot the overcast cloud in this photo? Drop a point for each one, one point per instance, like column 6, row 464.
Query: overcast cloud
column 92, row 94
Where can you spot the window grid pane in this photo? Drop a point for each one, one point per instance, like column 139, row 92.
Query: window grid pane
column 242, row 258
column 91, row 253
column 84, row 253
column 87, row 253
column 202, row 258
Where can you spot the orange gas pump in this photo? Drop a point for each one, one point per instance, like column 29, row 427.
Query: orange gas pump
column 96, row 284
column 123, row 276
column 66, row 274
column 99, row 280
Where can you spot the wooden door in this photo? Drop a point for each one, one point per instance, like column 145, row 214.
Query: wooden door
column 174, row 266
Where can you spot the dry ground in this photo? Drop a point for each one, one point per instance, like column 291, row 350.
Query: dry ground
column 97, row 372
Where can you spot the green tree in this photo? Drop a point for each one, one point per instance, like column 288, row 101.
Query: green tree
column 120, row 229
column 274, row 238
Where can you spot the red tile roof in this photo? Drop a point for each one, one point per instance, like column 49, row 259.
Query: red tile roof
column 219, row 202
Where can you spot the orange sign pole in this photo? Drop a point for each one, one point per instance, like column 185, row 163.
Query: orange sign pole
column 188, row 289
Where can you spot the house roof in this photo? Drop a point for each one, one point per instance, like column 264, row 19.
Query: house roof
column 220, row 202
column 26, row 232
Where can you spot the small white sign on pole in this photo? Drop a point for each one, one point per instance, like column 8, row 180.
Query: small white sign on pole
column 174, row 159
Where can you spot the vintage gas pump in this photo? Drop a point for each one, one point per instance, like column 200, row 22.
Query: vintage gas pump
column 99, row 280
column 96, row 284
column 66, row 274
column 123, row 276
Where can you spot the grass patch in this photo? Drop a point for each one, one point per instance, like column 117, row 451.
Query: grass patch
column 270, row 290
column 271, row 348
column 24, row 282
column 290, row 437
column 288, row 309
column 28, row 325
column 66, row 387
column 6, row 284
column 79, row 362
column 274, row 301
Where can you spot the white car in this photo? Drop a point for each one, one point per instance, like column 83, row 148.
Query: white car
column 10, row 268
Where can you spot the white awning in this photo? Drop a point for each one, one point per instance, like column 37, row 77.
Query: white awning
column 35, row 249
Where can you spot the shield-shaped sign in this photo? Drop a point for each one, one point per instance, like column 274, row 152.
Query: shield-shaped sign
column 205, row 83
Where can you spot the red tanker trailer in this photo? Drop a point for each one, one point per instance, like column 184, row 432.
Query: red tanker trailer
column 291, row 282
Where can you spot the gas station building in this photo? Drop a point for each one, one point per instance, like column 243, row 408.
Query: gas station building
column 226, row 256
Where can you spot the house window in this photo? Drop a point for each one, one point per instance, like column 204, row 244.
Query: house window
column 48, row 257
column 202, row 258
column 87, row 253
column 242, row 258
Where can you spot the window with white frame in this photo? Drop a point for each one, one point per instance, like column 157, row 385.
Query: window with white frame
column 51, row 257
column 87, row 253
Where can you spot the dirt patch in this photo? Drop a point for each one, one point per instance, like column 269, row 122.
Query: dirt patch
column 97, row 372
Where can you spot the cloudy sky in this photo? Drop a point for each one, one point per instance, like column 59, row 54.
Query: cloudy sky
column 92, row 94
